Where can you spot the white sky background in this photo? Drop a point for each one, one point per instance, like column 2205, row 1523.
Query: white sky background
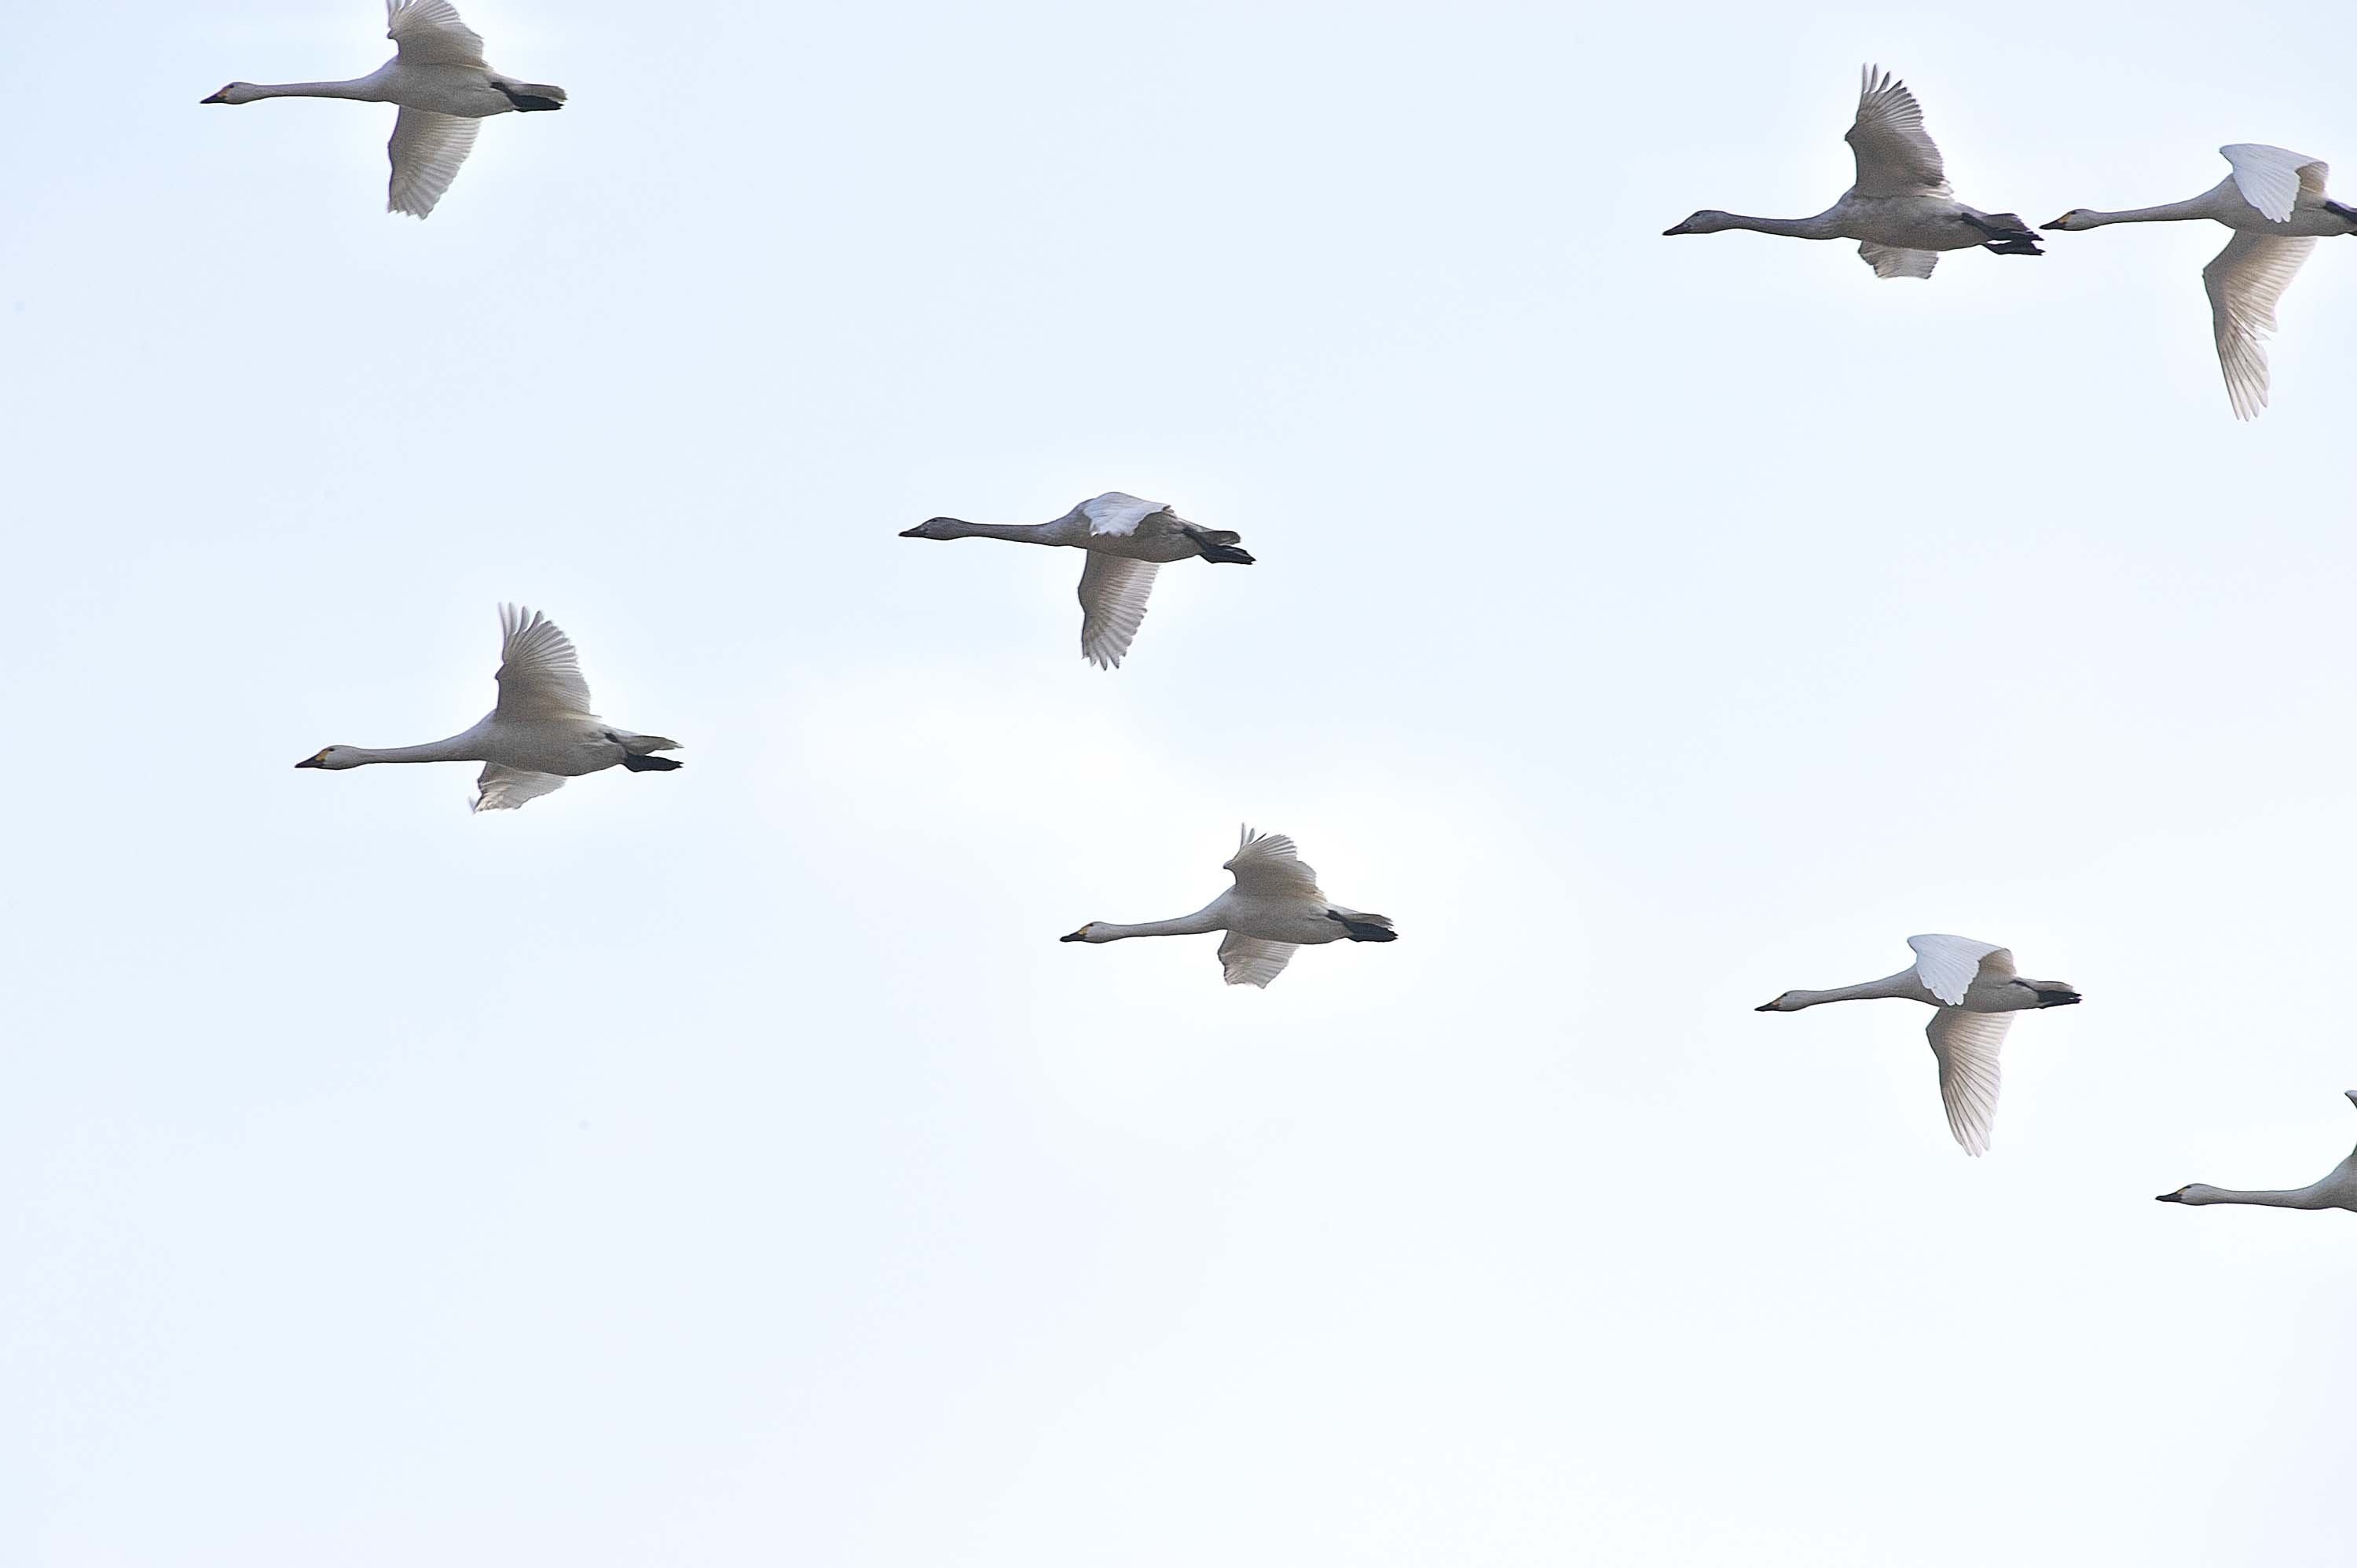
column 730, row 1167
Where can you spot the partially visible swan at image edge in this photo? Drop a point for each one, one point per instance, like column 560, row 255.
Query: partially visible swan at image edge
column 2275, row 202
column 1976, row 993
column 1901, row 210
column 1128, row 540
column 540, row 733
column 2337, row 1190
column 1273, row 907
column 438, row 77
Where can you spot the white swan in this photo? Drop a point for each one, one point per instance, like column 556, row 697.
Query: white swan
column 1273, row 907
column 1973, row 985
column 2337, row 1190
column 2275, row 202
column 1900, row 211
column 1128, row 541
column 540, row 732
column 438, row 78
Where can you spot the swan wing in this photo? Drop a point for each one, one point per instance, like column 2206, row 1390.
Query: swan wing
column 1967, row 1045
column 426, row 150
column 428, row 32
column 1946, row 965
column 2245, row 281
column 1113, row 602
column 503, row 789
column 1248, row 961
column 1896, row 155
column 1267, row 867
column 1894, row 262
column 2272, row 179
column 1117, row 514
column 540, row 675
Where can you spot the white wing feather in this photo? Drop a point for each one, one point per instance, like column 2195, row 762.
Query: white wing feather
column 1947, row 965
column 1966, row 1044
column 428, row 32
column 2272, row 179
column 1117, row 514
column 1896, row 155
column 1266, row 866
column 426, row 150
column 503, row 789
column 1893, row 261
column 540, row 675
column 1248, row 961
column 1113, row 591
column 2245, row 281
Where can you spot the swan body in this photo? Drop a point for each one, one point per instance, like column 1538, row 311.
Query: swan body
column 2275, row 202
column 438, row 77
column 540, row 734
column 1902, row 211
column 1274, row 906
column 1127, row 540
column 2337, row 1190
column 1973, row 990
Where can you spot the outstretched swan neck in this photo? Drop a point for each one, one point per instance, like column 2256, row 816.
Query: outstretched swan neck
column 1200, row 923
column 2312, row 1196
column 1711, row 221
column 2199, row 207
column 466, row 747
column 958, row 528
column 362, row 88
column 1903, row 984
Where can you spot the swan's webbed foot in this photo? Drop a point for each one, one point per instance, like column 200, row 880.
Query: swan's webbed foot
column 2013, row 248
column 637, row 764
column 1361, row 931
column 2007, row 234
column 2339, row 210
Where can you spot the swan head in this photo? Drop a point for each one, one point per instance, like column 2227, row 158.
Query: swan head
column 1784, row 1003
column 1082, row 934
column 335, row 756
column 2074, row 218
column 2194, row 1192
column 936, row 527
column 1709, row 220
column 235, row 92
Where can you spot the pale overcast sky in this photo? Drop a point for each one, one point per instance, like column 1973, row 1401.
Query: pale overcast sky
column 729, row 1167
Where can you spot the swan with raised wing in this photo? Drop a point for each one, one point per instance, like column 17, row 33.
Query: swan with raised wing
column 1902, row 211
column 1975, row 993
column 438, row 77
column 1128, row 541
column 540, row 733
column 2337, row 1190
column 1273, row 907
column 2273, row 201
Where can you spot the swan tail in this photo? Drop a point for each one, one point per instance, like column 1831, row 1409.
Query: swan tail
column 637, row 764
column 1363, row 928
column 2007, row 235
column 529, row 96
column 2053, row 994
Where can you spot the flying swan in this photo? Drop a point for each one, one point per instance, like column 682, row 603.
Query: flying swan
column 1128, row 541
column 540, row 733
column 1975, row 993
column 438, row 78
column 1900, row 211
column 2275, row 202
column 2337, row 1190
column 1273, row 907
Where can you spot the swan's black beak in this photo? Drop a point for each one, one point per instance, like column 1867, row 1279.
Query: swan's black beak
column 2178, row 1197
column 221, row 97
column 308, row 762
column 916, row 533
column 1765, row 1007
column 1079, row 936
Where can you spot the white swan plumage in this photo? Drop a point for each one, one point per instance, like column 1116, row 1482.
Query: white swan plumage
column 2273, row 201
column 1128, row 541
column 1902, row 211
column 540, row 733
column 1274, row 906
column 2337, row 1190
column 1974, row 991
column 445, row 88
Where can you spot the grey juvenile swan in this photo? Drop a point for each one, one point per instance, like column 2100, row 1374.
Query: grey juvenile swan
column 1972, row 986
column 1900, row 211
